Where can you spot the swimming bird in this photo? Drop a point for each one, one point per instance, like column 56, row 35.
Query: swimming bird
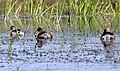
column 42, row 36
column 16, row 32
column 107, row 37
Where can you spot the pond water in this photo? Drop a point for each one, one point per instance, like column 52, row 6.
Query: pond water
column 70, row 50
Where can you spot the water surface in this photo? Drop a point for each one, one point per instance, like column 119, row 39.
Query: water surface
column 71, row 49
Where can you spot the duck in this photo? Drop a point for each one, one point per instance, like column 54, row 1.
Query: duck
column 107, row 37
column 42, row 36
column 16, row 32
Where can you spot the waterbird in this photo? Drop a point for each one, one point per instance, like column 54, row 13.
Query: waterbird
column 42, row 36
column 107, row 37
column 16, row 32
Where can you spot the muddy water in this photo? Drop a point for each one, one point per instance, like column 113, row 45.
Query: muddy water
column 68, row 51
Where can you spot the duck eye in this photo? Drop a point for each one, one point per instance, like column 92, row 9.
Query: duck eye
column 103, row 38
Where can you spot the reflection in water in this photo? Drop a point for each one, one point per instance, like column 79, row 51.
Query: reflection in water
column 39, row 43
column 68, row 47
column 84, row 50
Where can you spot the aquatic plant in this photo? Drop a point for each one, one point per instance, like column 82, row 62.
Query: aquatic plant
column 50, row 13
column 41, row 7
column 10, row 48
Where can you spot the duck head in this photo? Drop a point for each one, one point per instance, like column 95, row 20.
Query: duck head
column 13, row 28
column 39, row 30
column 107, row 30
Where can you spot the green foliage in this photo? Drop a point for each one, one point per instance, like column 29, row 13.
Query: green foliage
column 35, row 7
column 92, row 14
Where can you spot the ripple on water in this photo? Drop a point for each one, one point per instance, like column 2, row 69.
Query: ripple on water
column 59, row 55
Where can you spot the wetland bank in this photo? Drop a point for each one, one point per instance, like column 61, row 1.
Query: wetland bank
column 76, row 27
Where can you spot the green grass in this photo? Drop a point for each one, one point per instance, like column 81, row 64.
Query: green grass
column 40, row 13
column 61, row 7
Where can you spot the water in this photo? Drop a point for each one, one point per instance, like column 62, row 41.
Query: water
column 70, row 50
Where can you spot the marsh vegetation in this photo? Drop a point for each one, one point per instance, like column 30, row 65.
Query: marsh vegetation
column 76, row 26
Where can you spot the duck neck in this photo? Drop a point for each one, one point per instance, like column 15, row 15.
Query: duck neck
column 42, row 32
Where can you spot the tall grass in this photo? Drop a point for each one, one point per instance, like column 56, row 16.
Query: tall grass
column 40, row 7
column 41, row 11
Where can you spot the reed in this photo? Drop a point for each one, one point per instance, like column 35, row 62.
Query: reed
column 10, row 48
column 41, row 11
column 35, row 7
